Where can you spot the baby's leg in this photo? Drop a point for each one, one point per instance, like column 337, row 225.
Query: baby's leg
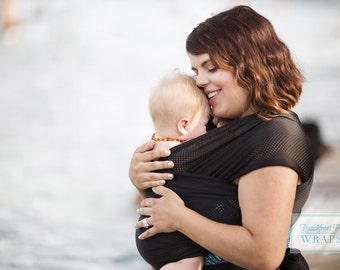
column 195, row 263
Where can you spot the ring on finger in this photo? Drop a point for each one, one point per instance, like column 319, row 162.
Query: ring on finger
column 145, row 223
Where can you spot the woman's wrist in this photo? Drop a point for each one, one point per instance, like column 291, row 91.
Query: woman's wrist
column 180, row 221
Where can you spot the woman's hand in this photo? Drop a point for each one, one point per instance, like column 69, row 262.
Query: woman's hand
column 144, row 161
column 163, row 212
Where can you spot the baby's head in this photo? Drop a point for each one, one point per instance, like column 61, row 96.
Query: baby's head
column 176, row 98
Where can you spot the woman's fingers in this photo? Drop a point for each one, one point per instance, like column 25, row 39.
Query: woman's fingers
column 145, row 153
column 160, row 212
column 148, row 233
column 148, row 179
column 145, row 147
column 161, row 190
column 150, row 166
column 147, row 224
column 151, row 184
column 143, row 223
column 144, row 163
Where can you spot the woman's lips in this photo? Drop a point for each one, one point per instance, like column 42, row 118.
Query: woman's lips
column 211, row 96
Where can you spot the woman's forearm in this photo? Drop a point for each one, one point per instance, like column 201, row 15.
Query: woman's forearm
column 266, row 198
column 235, row 244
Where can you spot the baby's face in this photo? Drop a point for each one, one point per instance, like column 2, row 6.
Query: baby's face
column 199, row 123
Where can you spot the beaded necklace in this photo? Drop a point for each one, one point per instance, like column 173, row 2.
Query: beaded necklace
column 165, row 139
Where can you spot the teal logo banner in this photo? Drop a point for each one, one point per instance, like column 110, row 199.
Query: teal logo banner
column 315, row 233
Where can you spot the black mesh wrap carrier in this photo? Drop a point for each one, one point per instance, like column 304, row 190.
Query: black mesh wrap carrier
column 206, row 167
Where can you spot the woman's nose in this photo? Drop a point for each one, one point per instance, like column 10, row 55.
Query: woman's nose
column 201, row 80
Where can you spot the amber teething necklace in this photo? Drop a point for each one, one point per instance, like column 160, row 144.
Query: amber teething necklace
column 165, row 139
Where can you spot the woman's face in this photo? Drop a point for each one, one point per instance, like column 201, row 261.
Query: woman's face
column 227, row 99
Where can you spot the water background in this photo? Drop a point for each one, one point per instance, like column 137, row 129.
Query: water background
column 74, row 82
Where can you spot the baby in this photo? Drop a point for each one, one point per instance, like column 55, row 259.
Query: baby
column 180, row 112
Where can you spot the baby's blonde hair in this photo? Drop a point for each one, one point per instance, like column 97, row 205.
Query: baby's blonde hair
column 175, row 96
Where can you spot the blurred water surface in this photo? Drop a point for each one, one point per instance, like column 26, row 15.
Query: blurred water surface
column 74, row 84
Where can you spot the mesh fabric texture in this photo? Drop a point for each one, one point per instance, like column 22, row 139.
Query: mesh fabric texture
column 206, row 167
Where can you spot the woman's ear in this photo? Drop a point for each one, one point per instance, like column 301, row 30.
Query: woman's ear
column 182, row 126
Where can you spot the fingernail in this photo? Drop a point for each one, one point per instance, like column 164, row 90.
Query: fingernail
column 170, row 164
column 162, row 182
column 167, row 152
column 170, row 176
column 140, row 237
column 137, row 210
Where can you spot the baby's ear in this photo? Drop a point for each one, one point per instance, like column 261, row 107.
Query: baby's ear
column 182, row 126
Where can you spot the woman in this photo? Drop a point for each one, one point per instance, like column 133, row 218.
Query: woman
column 249, row 77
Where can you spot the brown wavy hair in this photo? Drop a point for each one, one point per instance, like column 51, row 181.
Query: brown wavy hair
column 244, row 42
